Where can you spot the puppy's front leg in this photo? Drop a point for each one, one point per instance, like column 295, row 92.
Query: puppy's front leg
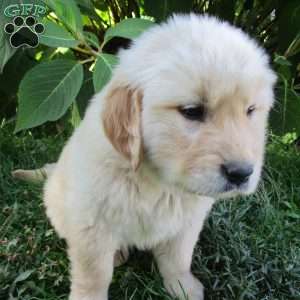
column 174, row 259
column 91, row 267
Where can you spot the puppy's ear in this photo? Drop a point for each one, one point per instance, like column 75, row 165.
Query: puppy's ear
column 122, row 123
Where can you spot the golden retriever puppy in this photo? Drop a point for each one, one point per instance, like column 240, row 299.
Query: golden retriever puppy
column 181, row 123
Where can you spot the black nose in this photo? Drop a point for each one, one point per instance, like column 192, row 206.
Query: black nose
column 237, row 172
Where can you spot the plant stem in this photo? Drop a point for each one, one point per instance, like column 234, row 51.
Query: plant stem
column 87, row 60
column 82, row 50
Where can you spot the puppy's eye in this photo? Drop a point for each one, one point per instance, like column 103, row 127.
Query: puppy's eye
column 250, row 110
column 193, row 112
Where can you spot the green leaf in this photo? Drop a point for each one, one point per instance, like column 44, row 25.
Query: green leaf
column 103, row 70
column 293, row 215
column 68, row 14
column 281, row 60
column 294, row 47
column 47, row 91
column 128, row 28
column 57, row 36
column 87, row 8
column 82, row 100
column 85, row 4
column 85, row 94
column 161, row 9
column 75, row 115
column 91, row 38
column 23, row 276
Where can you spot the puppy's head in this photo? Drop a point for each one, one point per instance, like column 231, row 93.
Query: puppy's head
column 193, row 95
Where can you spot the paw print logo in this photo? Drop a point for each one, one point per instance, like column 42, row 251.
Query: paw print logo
column 24, row 32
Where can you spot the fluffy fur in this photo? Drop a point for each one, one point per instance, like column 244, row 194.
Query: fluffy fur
column 137, row 173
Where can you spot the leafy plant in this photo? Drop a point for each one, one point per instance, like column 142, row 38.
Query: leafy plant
column 77, row 53
column 48, row 89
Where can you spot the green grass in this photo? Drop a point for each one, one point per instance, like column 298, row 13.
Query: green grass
column 249, row 248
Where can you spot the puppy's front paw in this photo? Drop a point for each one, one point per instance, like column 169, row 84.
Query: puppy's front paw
column 185, row 286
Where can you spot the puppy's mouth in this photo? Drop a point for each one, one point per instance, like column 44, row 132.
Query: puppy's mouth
column 229, row 187
column 227, row 190
column 232, row 190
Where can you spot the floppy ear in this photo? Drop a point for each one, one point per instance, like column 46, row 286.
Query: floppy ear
column 122, row 123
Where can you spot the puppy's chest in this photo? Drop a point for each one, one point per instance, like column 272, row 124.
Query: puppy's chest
column 143, row 220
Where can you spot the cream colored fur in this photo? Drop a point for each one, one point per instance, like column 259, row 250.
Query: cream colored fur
column 137, row 173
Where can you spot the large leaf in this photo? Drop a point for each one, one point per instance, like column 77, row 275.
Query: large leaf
column 161, row 9
column 47, row 91
column 103, row 70
column 128, row 28
column 68, row 13
column 57, row 36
